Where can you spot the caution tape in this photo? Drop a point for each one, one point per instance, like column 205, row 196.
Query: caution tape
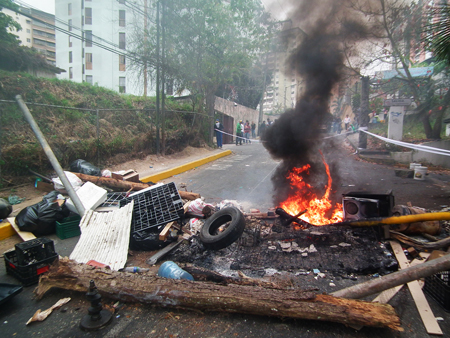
column 245, row 139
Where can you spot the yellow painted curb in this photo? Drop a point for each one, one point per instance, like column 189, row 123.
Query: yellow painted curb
column 185, row 167
column 6, row 230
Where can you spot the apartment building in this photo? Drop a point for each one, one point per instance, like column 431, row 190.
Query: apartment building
column 92, row 40
column 282, row 93
column 37, row 30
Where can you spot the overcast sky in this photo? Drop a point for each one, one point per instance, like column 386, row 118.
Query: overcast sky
column 278, row 8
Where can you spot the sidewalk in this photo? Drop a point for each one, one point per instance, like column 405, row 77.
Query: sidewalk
column 371, row 155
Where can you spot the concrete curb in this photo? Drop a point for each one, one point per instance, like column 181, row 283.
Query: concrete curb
column 185, row 167
column 6, row 229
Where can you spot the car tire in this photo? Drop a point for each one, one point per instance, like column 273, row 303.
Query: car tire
column 234, row 222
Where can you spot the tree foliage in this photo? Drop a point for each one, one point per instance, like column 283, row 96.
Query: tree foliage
column 8, row 24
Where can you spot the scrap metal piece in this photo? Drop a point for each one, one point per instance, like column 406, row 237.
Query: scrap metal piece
column 97, row 317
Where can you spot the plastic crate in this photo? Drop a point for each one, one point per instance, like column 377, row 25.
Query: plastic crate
column 113, row 199
column 34, row 250
column 27, row 274
column 437, row 286
column 155, row 207
column 69, row 227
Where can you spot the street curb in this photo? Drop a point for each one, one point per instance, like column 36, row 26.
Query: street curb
column 185, row 167
column 6, row 230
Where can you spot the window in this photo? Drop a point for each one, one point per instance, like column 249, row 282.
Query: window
column 122, row 40
column 122, row 88
column 121, row 1
column 29, row 22
column 89, row 79
column 70, row 73
column 121, row 18
column 70, row 57
column 28, row 30
column 122, row 63
column 28, row 40
column 88, row 60
column 88, row 16
column 70, row 41
column 69, row 9
column 88, row 38
column 70, row 25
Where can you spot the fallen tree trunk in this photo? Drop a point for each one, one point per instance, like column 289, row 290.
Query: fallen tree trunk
column 127, row 185
column 128, row 287
column 394, row 279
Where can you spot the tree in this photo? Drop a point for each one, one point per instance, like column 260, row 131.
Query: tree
column 209, row 44
column 438, row 32
column 7, row 24
column 397, row 26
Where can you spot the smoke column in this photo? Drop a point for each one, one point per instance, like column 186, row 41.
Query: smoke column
column 319, row 60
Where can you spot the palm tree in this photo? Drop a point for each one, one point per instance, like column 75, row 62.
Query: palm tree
column 438, row 32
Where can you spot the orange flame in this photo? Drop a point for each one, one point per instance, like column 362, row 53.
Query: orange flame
column 303, row 197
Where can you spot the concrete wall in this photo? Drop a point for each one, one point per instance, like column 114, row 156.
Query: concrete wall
column 425, row 157
column 236, row 111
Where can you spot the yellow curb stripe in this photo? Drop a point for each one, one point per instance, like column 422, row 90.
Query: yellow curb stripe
column 6, row 230
column 185, row 167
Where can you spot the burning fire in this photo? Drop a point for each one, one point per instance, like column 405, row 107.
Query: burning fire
column 303, row 198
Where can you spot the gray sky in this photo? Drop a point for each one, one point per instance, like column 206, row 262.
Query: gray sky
column 278, row 8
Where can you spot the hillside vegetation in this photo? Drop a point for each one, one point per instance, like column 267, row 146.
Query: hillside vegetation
column 105, row 126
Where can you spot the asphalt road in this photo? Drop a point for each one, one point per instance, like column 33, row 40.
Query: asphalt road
column 245, row 177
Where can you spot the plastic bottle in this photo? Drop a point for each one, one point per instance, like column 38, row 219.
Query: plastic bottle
column 134, row 269
column 171, row 270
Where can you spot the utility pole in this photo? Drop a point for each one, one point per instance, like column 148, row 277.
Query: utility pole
column 261, row 112
column 158, row 65
column 163, row 75
column 364, row 112
column 145, row 42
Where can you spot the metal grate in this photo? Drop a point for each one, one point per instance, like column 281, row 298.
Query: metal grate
column 155, row 207
column 113, row 199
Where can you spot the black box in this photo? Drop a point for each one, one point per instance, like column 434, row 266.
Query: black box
column 27, row 274
column 34, row 250
column 360, row 205
column 437, row 286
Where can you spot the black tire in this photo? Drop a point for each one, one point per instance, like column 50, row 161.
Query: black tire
column 234, row 222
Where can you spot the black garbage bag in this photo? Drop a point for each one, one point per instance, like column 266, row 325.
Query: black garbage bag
column 84, row 167
column 41, row 218
column 5, row 208
column 148, row 241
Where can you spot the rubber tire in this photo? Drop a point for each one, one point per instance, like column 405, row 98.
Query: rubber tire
column 229, row 235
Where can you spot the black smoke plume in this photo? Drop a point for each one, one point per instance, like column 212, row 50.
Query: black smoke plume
column 295, row 137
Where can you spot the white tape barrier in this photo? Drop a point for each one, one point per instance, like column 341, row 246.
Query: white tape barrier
column 245, row 139
column 427, row 149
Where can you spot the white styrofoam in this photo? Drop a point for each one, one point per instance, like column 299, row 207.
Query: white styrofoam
column 91, row 196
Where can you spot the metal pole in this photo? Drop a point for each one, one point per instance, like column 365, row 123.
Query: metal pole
column 48, row 151
column 98, row 137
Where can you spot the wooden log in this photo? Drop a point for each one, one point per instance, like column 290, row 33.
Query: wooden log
column 255, row 300
column 127, row 185
column 394, row 279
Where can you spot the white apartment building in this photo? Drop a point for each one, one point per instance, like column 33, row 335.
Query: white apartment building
column 91, row 36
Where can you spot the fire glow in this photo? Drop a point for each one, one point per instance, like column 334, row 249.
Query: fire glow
column 303, row 197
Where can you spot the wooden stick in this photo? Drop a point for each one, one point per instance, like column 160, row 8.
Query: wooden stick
column 165, row 232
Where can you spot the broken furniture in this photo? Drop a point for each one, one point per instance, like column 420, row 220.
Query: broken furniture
column 128, row 175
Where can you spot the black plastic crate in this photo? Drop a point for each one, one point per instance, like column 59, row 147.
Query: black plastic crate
column 437, row 286
column 155, row 207
column 34, row 250
column 113, row 199
column 26, row 274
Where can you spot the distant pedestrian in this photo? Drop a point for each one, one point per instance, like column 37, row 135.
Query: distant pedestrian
column 346, row 122
column 269, row 122
column 262, row 129
column 219, row 129
column 253, row 125
column 247, row 131
column 239, row 128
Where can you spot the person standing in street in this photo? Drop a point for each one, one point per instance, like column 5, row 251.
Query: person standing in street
column 239, row 128
column 247, row 130
column 253, row 125
column 262, row 129
column 219, row 128
column 346, row 122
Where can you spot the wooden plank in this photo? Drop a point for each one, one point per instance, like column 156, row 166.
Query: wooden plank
column 387, row 295
column 165, row 232
column 428, row 318
column 25, row 235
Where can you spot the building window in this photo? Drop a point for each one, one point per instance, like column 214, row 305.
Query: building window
column 70, row 57
column 29, row 22
column 88, row 16
column 89, row 79
column 122, row 40
column 122, row 88
column 88, row 60
column 70, row 25
column 121, row 1
column 70, row 73
column 70, row 41
column 88, row 38
column 121, row 18
column 28, row 40
column 69, row 9
column 28, row 30
column 122, row 63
